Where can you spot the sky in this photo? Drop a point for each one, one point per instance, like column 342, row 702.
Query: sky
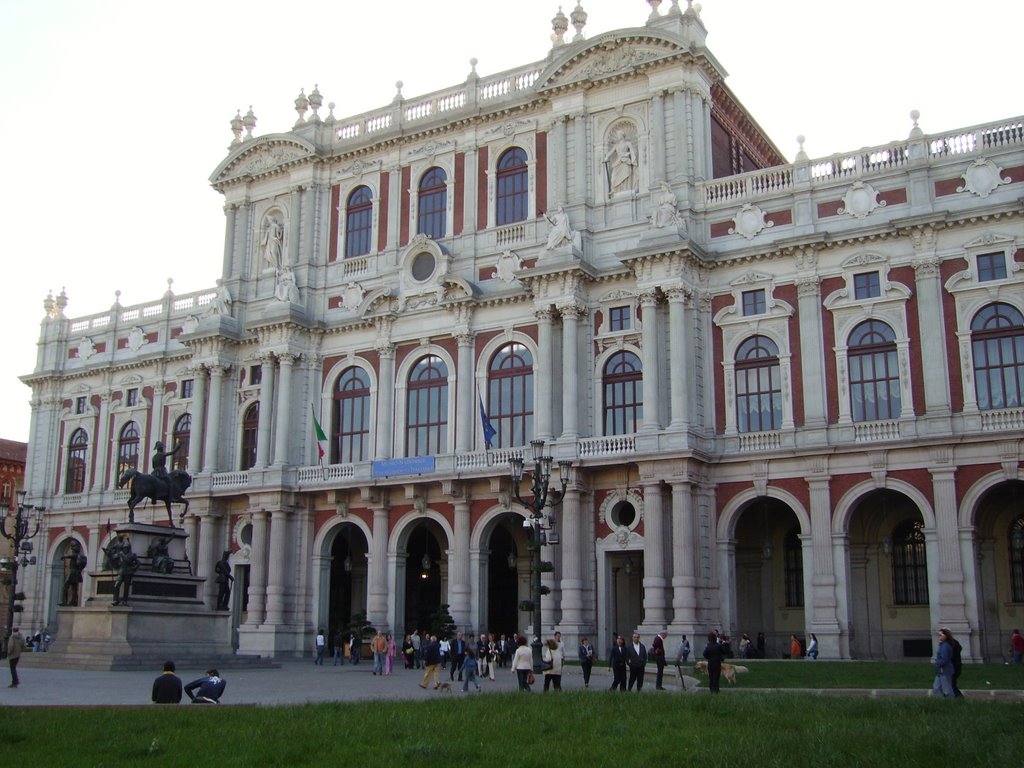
column 114, row 113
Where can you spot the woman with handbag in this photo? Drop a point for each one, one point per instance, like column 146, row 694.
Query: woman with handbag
column 552, row 658
column 522, row 663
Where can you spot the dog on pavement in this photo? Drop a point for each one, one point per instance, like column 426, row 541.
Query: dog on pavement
column 728, row 670
column 446, row 687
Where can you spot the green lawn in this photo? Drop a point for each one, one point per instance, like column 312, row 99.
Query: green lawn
column 579, row 728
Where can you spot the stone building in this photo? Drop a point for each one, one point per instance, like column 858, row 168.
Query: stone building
column 790, row 393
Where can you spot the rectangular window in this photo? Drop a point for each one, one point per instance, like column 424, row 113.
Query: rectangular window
column 866, row 286
column 80, row 405
column 255, row 374
column 991, row 266
column 618, row 319
column 754, row 303
column 186, row 388
column 132, row 398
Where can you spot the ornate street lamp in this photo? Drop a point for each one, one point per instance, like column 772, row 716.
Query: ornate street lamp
column 19, row 534
column 540, row 525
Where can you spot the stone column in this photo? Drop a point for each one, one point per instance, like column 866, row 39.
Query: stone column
column 243, row 244
column 212, row 424
column 684, row 562
column 820, row 612
column 284, row 411
column 227, row 268
column 266, row 422
column 208, row 555
column 280, row 557
column 683, row 122
column 195, row 435
column 386, row 401
column 812, row 353
column 654, row 558
column 99, row 477
column 258, row 569
column 649, row 331
column 933, row 345
column 159, row 427
column 464, row 410
column 580, row 192
column 294, row 226
column 558, row 166
column 658, row 147
column 572, row 534
column 544, row 376
column 679, row 357
column 948, row 606
column 571, row 314
column 377, row 597
column 458, row 575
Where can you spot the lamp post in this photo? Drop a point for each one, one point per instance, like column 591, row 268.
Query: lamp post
column 20, row 522
column 541, row 496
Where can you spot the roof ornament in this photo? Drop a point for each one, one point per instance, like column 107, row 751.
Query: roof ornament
column 655, row 4
column 674, row 10
column 249, row 121
column 236, row 128
column 801, row 156
column 316, row 100
column 301, row 105
column 559, row 25
column 398, row 91
column 330, row 119
column 579, row 21
column 472, row 69
column 915, row 132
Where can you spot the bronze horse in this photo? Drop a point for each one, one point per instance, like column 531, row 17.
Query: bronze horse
column 142, row 486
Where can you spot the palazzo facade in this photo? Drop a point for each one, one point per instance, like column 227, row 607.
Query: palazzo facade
column 790, row 393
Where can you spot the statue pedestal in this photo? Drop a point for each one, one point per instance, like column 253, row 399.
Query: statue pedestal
column 150, row 585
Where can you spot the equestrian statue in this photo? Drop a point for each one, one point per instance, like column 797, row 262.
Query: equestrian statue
column 158, row 486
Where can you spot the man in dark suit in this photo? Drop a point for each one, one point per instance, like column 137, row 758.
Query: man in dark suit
column 636, row 660
column 658, row 652
column 167, row 687
column 458, row 653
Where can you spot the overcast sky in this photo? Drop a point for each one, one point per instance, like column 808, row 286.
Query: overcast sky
column 114, row 113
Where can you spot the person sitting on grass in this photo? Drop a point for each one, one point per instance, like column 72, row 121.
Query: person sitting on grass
column 208, row 689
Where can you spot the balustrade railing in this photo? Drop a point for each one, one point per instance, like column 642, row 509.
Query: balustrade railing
column 325, row 473
column 499, row 457
column 760, row 441
column 229, row 479
column 998, row 421
column 606, row 446
column 870, row 431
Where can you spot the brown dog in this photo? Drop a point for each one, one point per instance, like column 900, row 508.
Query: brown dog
column 728, row 670
column 446, row 687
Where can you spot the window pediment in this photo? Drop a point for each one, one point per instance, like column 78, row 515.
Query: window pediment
column 608, row 55
column 261, row 157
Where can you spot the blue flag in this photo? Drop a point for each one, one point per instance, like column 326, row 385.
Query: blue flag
column 489, row 430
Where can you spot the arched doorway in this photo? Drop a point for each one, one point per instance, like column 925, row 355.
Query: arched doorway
column 769, row 576
column 507, row 565
column 889, row 595
column 999, row 544
column 348, row 573
column 426, row 575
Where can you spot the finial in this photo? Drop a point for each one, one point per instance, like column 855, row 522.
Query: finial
column 117, row 301
column 49, row 305
column 170, row 282
column 301, row 105
column 236, row 128
column 915, row 132
column 472, row 67
column 801, row 156
column 330, row 113
column 559, row 25
column 579, row 21
column 655, row 4
column 62, row 300
column 398, row 89
column 249, row 121
column 316, row 100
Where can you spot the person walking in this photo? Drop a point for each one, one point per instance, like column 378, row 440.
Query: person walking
column 658, row 652
column 714, row 654
column 417, row 649
column 812, row 647
column 339, row 646
column 431, row 662
column 468, row 670
column 636, row 660
column 458, row 652
column 617, row 661
column 167, row 687
column 795, row 649
column 943, row 685
column 1016, row 647
column 15, row 645
column 321, row 644
column 392, row 649
column 408, row 652
column 379, row 646
column 555, row 656
column 522, row 663
column 586, row 655
column 958, row 666
column 683, row 651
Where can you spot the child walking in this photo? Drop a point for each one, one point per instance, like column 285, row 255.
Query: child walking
column 469, row 670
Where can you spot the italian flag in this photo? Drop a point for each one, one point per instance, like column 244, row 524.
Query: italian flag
column 321, row 438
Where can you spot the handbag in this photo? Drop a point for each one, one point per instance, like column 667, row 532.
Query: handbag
column 530, row 679
column 546, row 666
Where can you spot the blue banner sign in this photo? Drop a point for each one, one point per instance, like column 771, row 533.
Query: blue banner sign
column 413, row 465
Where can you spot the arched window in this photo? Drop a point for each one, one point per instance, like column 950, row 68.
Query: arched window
column 758, row 386
column 623, row 394
column 74, row 480
column 250, row 430
column 874, row 372
column 433, row 204
column 358, row 222
column 128, row 448
column 1016, row 539
column 997, row 344
column 511, row 192
column 350, row 422
column 510, row 395
column 180, row 437
column 794, row 556
column 909, row 564
column 427, row 414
